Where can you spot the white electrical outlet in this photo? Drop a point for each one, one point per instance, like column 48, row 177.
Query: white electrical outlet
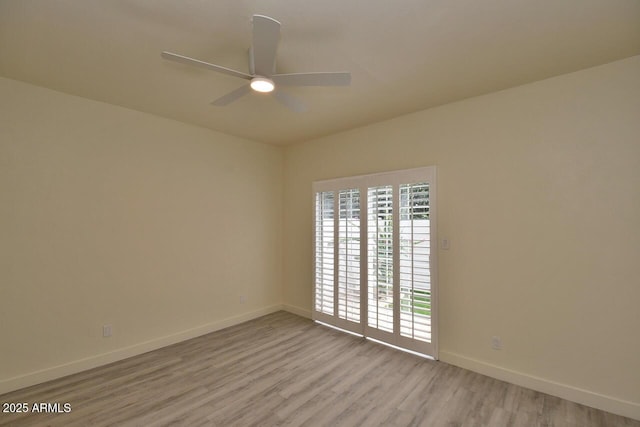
column 243, row 299
column 107, row 331
column 496, row 343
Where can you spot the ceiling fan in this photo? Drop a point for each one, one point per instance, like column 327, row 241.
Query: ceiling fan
column 262, row 74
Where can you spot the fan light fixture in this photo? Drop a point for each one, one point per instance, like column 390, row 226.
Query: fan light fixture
column 262, row 74
column 262, row 84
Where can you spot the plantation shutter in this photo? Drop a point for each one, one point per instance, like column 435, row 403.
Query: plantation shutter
column 349, row 255
column 373, row 259
column 415, row 250
column 324, row 253
column 380, row 258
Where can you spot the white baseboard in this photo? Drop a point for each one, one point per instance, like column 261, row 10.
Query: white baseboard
column 297, row 310
column 574, row 394
column 80, row 365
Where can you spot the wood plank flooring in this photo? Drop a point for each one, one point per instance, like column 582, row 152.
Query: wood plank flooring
column 284, row 370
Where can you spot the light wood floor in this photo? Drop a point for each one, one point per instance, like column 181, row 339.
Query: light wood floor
column 282, row 369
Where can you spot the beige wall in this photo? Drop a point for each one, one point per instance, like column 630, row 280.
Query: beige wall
column 111, row 216
column 539, row 194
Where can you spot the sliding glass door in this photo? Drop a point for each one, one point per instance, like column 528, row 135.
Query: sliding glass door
column 373, row 264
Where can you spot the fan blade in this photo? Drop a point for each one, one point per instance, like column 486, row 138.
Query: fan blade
column 292, row 103
column 232, row 96
column 313, row 79
column 190, row 61
column 266, row 35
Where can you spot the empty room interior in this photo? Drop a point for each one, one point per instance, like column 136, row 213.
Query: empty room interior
column 320, row 213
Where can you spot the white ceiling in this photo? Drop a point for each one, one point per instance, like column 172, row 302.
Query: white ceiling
column 404, row 55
